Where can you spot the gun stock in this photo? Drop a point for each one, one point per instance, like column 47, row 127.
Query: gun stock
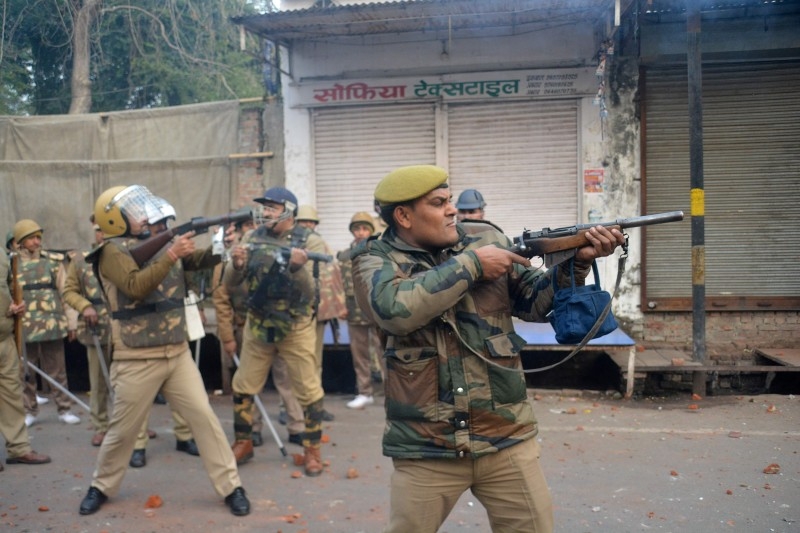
column 557, row 245
column 150, row 247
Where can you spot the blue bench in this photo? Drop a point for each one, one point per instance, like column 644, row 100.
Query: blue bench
column 537, row 336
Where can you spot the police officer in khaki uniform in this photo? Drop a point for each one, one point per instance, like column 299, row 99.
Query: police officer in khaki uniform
column 184, row 442
column 273, row 261
column 82, row 292
column 151, row 353
column 41, row 275
column 12, row 412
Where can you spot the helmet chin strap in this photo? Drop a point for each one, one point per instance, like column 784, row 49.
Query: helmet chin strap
column 272, row 222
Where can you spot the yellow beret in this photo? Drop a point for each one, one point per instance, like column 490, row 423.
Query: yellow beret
column 409, row 183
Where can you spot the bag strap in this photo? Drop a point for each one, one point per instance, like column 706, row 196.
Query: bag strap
column 589, row 336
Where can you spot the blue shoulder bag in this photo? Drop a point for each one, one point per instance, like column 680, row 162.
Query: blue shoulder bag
column 581, row 313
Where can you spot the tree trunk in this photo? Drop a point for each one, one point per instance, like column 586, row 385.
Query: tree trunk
column 81, row 58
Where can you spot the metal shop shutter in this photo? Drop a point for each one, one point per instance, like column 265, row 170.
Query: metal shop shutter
column 751, row 130
column 523, row 158
column 354, row 147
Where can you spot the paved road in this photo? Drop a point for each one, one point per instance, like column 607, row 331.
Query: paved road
column 613, row 466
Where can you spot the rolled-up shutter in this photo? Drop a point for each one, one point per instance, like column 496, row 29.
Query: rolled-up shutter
column 521, row 156
column 354, row 147
column 751, row 134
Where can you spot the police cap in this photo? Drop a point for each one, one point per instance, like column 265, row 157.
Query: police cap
column 409, row 183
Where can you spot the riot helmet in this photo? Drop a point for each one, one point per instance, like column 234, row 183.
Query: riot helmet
column 470, row 199
column 122, row 211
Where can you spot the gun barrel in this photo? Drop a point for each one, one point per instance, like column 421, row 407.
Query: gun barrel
column 548, row 241
column 315, row 256
column 150, row 247
column 647, row 220
column 204, row 223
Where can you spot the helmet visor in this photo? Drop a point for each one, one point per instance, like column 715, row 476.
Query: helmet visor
column 137, row 204
column 160, row 212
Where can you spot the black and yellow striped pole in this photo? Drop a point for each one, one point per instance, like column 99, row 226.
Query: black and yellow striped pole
column 695, row 77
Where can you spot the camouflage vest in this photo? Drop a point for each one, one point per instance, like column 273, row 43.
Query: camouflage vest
column 91, row 290
column 355, row 315
column 160, row 318
column 275, row 295
column 331, row 291
column 44, row 318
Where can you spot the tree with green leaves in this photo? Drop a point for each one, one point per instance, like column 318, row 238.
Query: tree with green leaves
column 79, row 56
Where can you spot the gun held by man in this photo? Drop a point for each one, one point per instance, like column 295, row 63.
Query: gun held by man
column 557, row 245
column 283, row 254
column 150, row 247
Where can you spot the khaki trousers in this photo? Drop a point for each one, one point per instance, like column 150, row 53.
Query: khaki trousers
column 49, row 357
column 296, row 421
column 179, row 425
column 362, row 358
column 12, row 412
column 296, row 349
column 98, row 402
column 510, row 485
column 136, row 382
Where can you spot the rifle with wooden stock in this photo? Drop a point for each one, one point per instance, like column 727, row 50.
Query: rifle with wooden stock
column 150, row 247
column 557, row 245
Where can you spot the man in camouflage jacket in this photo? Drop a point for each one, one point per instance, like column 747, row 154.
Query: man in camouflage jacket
column 273, row 262
column 41, row 275
column 457, row 410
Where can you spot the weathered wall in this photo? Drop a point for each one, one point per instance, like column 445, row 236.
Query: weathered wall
column 260, row 130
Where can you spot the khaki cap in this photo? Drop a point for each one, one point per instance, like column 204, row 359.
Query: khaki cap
column 409, row 183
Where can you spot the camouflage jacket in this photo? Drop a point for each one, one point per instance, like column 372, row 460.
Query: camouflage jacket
column 41, row 275
column 276, row 295
column 355, row 315
column 443, row 400
column 331, row 290
column 81, row 290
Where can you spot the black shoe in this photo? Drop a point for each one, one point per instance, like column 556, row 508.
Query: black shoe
column 283, row 417
column 238, row 502
column 296, row 438
column 92, row 501
column 258, row 440
column 160, row 399
column 327, row 417
column 138, row 460
column 188, row 446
